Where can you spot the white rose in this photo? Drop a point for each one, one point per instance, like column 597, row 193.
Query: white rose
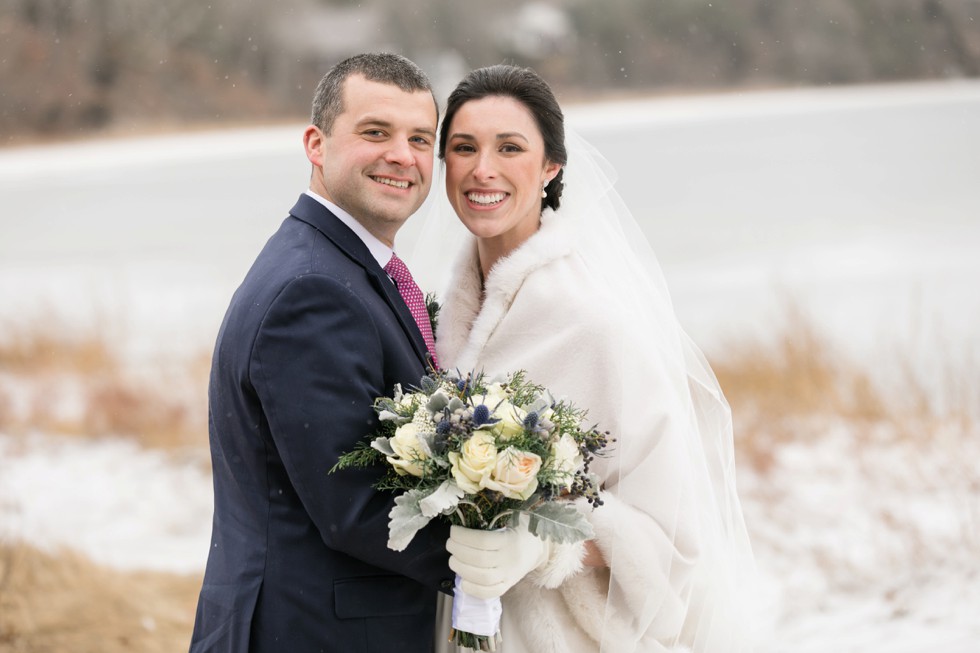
column 405, row 443
column 567, row 459
column 511, row 422
column 471, row 467
column 515, row 474
column 495, row 394
column 407, row 399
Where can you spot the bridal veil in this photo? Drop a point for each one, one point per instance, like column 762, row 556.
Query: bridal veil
column 681, row 478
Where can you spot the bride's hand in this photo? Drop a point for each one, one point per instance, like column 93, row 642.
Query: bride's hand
column 491, row 562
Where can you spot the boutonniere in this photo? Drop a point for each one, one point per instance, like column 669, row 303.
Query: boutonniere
column 432, row 307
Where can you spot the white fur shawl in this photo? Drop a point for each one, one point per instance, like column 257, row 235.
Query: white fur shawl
column 543, row 312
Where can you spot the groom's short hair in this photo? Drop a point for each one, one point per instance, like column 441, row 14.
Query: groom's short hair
column 384, row 67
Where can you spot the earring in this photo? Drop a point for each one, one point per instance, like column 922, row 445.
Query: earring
column 544, row 193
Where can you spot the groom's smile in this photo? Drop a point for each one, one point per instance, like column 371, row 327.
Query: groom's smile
column 390, row 181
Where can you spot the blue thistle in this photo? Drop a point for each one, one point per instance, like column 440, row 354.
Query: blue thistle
column 481, row 415
column 440, row 441
column 442, row 428
column 461, row 384
column 530, row 421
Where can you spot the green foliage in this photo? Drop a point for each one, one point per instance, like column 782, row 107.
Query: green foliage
column 516, row 417
column 362, row 455
column 432, row 307
column 524, row 390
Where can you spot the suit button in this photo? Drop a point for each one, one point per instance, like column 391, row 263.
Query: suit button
column 447, row 584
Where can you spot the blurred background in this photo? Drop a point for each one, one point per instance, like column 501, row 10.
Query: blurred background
column 806, row 171
column 73, row 67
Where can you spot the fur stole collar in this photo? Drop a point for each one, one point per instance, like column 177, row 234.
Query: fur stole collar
column 466, row 323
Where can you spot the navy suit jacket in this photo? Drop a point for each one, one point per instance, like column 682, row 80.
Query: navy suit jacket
column 298, row 559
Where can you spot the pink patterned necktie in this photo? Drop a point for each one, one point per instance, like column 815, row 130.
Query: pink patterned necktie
column 415, row 301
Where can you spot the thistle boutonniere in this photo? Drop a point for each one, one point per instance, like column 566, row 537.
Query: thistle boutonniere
column 432, row 307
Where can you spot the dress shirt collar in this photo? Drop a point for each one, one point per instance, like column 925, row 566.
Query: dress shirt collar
column 381, row 252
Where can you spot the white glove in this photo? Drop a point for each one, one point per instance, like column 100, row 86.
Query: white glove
column 491, row 562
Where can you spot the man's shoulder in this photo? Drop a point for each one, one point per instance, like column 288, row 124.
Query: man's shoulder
column 295, row 251
column 298, row 247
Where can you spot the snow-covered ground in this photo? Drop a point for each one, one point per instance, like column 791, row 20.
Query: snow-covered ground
column 866, row 549
column 122, row 505
column 861, row 206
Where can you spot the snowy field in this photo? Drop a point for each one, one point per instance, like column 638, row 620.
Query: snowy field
column 860, row 206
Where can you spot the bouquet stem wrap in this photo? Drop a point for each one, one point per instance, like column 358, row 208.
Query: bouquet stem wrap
column 474, row 615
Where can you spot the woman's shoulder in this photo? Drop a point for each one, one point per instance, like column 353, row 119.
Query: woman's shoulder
column 548, row 281
column 566, row 277
column 563, row 295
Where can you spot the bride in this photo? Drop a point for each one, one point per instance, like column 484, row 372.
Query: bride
column 556, row 279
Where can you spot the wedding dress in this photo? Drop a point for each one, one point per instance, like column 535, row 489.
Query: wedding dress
column 583, row 307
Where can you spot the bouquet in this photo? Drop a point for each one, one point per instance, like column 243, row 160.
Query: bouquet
column 480, row 453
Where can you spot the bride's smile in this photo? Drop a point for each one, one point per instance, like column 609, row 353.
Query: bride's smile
column 486, row 198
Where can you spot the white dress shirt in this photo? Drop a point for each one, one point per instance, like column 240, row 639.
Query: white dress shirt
column 381, row 252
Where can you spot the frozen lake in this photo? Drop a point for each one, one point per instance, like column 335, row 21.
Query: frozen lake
column 860, row 205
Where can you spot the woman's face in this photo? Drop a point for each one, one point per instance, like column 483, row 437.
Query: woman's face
column 495, row 170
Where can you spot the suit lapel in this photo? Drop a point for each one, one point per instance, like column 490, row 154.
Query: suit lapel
column 318, row 216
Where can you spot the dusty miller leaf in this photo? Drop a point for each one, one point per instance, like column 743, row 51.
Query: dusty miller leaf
column 540, row 403
column 405, row 520
column 382, row 445
column 389, row 416
column 437, row 401
column 560, row 523
column 442, row 501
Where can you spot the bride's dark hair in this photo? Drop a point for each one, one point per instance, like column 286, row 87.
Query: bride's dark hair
column 527, row 87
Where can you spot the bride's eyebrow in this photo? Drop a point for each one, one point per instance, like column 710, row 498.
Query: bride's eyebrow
column 500, row 137
column 506, row 135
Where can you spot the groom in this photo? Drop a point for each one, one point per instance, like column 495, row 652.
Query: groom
column 298, row 559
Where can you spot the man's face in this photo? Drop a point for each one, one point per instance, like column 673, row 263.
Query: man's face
column 376, row 163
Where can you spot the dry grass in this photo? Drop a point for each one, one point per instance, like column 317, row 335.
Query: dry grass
column 64, row 602
column 778, row 387
column 46, row 343
column 63, row 380
column 797, row 376
column 792, row 386
column 59, row 379
column 787, row 390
